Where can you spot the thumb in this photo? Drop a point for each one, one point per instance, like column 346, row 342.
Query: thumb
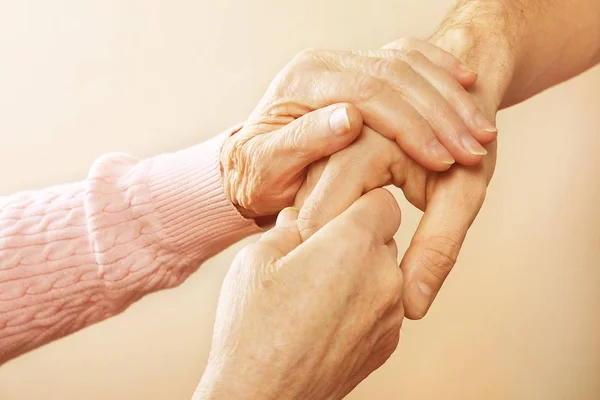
column 283, row 237
column 313, row 136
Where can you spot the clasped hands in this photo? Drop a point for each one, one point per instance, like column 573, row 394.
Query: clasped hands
column 316, row 304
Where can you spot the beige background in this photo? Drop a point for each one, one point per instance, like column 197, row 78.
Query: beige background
column 519, row 318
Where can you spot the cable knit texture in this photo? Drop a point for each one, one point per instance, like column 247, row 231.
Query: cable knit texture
column 75, row 254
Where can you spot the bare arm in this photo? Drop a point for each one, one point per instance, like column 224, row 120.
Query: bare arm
column 518, row 48
column 522, row 47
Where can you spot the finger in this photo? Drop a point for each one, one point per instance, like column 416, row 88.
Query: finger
column 393, row 249
column 335, row 192
column 457, row 97
column 370, row 221
column 385, row 111
column 313, row 136
column 284, row 237
column 315, row 171
column 449, row 127
column 437, row 241
column 427, row 105
column 347, row 175
column 443, row 59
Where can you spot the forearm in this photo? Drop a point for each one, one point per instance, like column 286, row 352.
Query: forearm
column 523, row 46
column 76, row 254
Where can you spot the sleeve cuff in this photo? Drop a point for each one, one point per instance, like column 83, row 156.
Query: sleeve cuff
column 197, row 217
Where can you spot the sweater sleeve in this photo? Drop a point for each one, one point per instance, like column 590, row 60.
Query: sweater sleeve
column 75, row 254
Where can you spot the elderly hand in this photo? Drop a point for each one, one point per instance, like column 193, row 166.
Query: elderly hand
column 413, row 96
column 309, row 319
column 451, row 199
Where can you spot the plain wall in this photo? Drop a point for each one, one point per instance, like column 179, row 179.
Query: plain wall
column 519, row 317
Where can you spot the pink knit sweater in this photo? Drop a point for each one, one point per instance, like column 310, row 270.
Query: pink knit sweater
column 75, row 254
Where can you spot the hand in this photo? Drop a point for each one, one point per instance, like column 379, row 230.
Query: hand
column 309, row 319
column 413, row 96
column 451, row 200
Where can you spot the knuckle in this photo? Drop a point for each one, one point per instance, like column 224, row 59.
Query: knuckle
column 248, row 256
column 388, row 204
column 394, row 213
column 357, row 234
column 306, row 54
column 439, row 253
column 445, row 112
column 312, row 57
column 368, row 87
column 397, row 67
column 389, row 289
column 413, row 56
column 394, row 280
column 406, row 43
column 308, row 223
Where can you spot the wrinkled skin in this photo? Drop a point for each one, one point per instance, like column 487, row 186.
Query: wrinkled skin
column 450, row 199
column 412, row 95
column 343, row 323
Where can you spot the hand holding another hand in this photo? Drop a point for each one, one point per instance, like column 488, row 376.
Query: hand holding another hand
column 313, row 109
column 450, row 199
column 309, row 319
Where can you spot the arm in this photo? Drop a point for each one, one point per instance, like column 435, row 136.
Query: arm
column 518, row 48
column 76, row 254
column 522, row 47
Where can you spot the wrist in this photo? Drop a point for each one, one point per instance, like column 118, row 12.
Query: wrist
column 483, row 34
column 232, row 181
column 228, row 169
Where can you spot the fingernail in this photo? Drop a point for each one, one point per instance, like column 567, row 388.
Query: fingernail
column 441, row 153
column 287, row 216
column 338, row 121
column 473, row 146
column 483, row 123
column 421, row 296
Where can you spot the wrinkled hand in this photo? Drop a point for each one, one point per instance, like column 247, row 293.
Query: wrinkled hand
column 413, row 96
column 451, row 201
column 309, row 319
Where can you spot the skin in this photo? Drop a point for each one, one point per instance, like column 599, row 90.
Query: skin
column 512, row 45
column 350, row 265
column 413, row 96
column 509, row 71
column 450, row 200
